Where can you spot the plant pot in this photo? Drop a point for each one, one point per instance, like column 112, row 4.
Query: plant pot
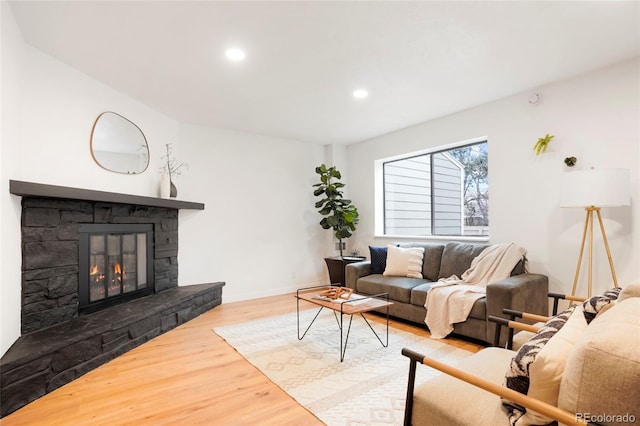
column 336, row 266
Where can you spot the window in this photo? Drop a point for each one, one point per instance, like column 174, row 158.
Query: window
column 444, row 192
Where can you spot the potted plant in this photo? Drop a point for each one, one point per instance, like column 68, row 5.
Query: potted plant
column 339, row 215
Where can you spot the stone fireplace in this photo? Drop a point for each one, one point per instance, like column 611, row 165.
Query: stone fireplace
column 52, row 267
column 85, row 256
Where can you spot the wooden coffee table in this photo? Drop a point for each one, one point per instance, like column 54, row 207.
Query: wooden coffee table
column 356, row 304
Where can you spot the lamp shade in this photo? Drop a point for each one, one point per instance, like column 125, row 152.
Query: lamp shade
column 596, row 187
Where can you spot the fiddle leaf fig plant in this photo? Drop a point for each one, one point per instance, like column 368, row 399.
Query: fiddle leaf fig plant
column 339, row 213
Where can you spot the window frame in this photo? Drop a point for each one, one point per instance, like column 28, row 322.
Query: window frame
column 380, row 193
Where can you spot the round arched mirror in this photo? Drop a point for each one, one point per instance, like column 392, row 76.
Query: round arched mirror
column 119, row 145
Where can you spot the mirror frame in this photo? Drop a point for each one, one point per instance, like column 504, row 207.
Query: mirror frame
column 91, row 144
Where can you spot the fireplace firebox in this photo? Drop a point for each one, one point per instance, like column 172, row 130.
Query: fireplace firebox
column 115, row 264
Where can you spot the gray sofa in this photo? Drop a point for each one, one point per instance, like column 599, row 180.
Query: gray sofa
column 522, row 291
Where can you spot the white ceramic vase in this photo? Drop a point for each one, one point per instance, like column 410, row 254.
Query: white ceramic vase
column 165, row 186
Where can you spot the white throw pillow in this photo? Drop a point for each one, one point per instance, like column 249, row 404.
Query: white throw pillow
column 404, row 262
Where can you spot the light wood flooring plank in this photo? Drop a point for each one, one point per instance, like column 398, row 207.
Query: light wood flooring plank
column 186, row 376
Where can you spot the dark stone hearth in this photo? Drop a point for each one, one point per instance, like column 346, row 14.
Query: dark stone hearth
column 50, row 317
column 76, row 354
column 44, row 360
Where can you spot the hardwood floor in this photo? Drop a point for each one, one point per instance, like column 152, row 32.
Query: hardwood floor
column 186, row 376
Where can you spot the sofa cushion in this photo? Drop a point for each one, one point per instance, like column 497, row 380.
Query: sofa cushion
column 603, row 370
column 457, row 257
column 399, row 288
column 378, row 259
column 537, row 368
column 432, row 259
column 404, row 262
column 419, row 298
column 419, row 293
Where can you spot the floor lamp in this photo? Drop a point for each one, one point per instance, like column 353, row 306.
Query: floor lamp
column 591, row 190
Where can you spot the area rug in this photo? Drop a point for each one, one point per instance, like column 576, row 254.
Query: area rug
column 367, row 388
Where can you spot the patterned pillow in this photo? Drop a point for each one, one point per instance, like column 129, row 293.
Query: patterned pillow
column 378, row 259
column 595, row 304
column 537, row 368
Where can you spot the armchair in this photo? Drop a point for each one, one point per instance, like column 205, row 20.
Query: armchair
column 597, row 375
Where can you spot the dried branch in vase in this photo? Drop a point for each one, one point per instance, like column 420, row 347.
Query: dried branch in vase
column 171, row 166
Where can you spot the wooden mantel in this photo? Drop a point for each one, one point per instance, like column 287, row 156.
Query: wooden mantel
column 30, row 189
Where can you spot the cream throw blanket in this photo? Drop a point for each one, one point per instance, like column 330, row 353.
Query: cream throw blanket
column 451, row 299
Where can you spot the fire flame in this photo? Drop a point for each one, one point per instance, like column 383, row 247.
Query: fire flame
column 116, row 268
column 98, row 277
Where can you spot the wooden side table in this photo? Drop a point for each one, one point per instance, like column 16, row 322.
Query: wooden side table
column 336, row 265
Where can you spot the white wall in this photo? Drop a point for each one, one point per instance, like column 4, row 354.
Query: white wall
column 594, row 117
column 258, row 231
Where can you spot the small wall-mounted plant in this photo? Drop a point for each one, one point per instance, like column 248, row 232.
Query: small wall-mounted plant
column 541, row 145
column 570, row 161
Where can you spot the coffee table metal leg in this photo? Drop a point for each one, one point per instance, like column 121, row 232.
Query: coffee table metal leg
column 335, row 315
column 343, row 351
column 310, row 324
column 384, row 345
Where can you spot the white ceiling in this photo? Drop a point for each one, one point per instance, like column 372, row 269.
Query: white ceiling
column 418, row 60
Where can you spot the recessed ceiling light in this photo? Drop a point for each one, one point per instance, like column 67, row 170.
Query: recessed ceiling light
column 235, row 55
column 360, row 94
